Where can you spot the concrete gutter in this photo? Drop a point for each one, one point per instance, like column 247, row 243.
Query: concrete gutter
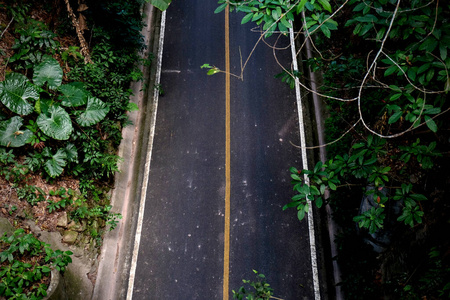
column 320, row 127
column 116, row 252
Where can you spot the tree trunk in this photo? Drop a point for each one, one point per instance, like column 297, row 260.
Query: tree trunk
column 76, row 24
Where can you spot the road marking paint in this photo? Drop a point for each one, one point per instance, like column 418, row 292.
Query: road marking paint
column 226, row 253
column 312, row 238
column 137, row 239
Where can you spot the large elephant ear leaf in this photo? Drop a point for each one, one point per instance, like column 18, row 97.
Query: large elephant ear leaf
column 96, row 111
column 55, row 164
column 48, row 71
column 56, row 123
column 73, row 94
column 11, row 135
column 15, row 91
column 71, row 153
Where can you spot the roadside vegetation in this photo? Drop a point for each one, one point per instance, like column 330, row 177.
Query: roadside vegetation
column 65, row 73
column 385, row 81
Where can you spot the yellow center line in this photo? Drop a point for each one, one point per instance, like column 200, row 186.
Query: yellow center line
column 226, row 253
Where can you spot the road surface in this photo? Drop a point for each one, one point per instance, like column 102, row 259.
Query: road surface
column 219, row 170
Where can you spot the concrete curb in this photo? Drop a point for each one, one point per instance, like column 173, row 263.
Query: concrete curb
column 116, row 253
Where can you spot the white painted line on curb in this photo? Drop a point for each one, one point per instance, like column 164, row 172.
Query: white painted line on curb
column 312, row 238
column 137, row 239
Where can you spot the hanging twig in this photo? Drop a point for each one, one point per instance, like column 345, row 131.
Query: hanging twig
column 7, row 27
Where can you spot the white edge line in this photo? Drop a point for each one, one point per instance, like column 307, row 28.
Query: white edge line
column 312, row 238
column 137, row 239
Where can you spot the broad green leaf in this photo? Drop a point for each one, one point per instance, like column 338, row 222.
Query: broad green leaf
column 431, row 124
column 11, row 135
column 54, row 166
column 244, row 8
column 395, row 96
column 325, row 30
column 381, row 33
column 247, row 18
column 392, row 69
column 325, row 4
column 301, row 5
column 71, row 153
column 429, row 44
column 443, row 52
column 73, row 95
column 418, row 197
column 285, row 22
column 395, row 88
column 291, row 204
column 161, row 4
column 412, row 73
column 367, row 19
column 423, row 68
column 275, row 14
column 293, row 170
column 213, row 71
column 430, row 75
column 432, row 111
column 332, row 186
column 301, row 214
column 96, row 111
column 48, row 71
column 296, row 177
column 221, row 8
column 319, row 202
column 15, row 91
column 395, row 117
column 55, row 123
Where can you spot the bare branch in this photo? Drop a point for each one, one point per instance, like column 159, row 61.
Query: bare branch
column 6, row 29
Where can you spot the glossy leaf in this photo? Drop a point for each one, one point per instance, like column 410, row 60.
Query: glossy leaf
column 96, row 111
column 55, row 123
column 15, row 91
column 73, row 94
column 48, row 71
column 11, row 134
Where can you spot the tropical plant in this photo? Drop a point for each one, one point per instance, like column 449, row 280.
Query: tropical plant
column 52, row 119
column 25, row 262
column 260, row 289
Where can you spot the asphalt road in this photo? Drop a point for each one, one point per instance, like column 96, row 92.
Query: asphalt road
column 181, row 254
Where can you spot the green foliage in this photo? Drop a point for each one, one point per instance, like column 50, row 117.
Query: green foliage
column 15, row 92
column 52, row 119
column 54, row 163
column 273, row 14
column 371, row 219
column 261, row 290
column 22, row 266
column 32, row 194
column 55, row 123
column 113, row 220
column 161, row 4
column 10, row 168
column 37, row 137
column 423, row 154
column 363, row 163
column 96, row 111
column 35, row 41
column 50, row 72
column 11, row 134
column 66, row 199
column 387, row 67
